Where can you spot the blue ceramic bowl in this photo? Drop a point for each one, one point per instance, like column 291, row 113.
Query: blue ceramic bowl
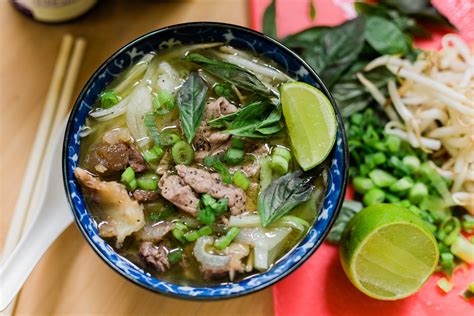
column 190, row 33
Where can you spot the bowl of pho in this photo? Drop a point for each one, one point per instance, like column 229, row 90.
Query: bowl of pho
column 205, row 161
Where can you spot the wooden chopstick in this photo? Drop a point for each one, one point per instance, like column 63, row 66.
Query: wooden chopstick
column 63, row 106
column 57, row 103
column 37, row 154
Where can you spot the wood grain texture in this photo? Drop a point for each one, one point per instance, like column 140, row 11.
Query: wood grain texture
column 71, row 279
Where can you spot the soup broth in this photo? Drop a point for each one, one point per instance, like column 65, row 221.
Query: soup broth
column 175, row 155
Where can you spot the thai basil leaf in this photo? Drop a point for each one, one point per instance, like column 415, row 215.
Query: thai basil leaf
column 191, row 99
column 419, row 9
column 348, row 210
column 269, row 20
column 402, row 21
column 351, row 96
column 230, row 73
column 306, row 37
column 336, row 49
column 256, row 120
column 283, row 195
column 385, row 37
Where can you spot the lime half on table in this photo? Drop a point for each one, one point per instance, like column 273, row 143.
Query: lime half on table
column 311, row 123
column 388, row 252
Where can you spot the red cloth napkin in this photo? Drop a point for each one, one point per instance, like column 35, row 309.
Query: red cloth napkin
column 319, row 286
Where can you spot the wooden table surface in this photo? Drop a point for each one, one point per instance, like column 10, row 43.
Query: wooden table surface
column 70, row 278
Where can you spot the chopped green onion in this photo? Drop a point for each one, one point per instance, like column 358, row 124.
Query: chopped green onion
column 437, row 182
column 153, row 154
column 241, row 180
column 128, row 175
column 463, row 249
column 208, row 200
column 444, row 285
column 221, row 206
column 374, row 196
column 168, row 139
column 133, row 184
column 206, row 215
column 192, row 235
column 175, row 255
column 148, row 182
column 204, row 231
column 362, row 184
column 382, row 178
column 108, row 99
column 417, row 193
column 215, row 163
column 279, row 164
column 225, row 240
column 181, row 226
column 449, row 230
column 402, row 184
column 392, row 198
column 412, row 163
column 179, row 235
column 163, row 103
column 283, row 152
column 468, row 223
column 234, row 156
column 357, row 118
column 446, row 260
column 182, row 153
column 364, row 169
column 265, row 173
column 237, row 143
column 469, row 292
column 375, row 159
column 393, row 143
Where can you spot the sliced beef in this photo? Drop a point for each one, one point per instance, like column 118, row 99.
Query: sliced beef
column 122, row 216
column 155, row 256
column 203, row 181
column 114, row 153
column 179, row 193
column 136, row 160
column 155, row 232
column 146, row 196
column 208, row 139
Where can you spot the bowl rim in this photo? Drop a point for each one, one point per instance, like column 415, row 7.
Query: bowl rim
column 312, row 72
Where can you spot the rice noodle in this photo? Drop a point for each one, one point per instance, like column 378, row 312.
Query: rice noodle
column 435, row 100
column 261, row 70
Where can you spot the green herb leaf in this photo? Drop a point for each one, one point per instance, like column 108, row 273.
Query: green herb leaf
column 385, row 37
column 334, row 50
column 348, row 210
column 191, row 100
column 230, row 73
column 269, row 20
column 283, row 195
column 149, row 120
column 419, row 9
column 352, row 96
column 256, row 120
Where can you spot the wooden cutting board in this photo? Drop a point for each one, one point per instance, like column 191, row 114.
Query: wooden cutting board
column 71, row 279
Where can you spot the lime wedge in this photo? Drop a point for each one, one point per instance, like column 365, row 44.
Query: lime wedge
column 388, row 252
column 311, row 123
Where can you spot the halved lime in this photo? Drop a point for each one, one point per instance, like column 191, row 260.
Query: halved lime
column 388, row 252
column 311, row 123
